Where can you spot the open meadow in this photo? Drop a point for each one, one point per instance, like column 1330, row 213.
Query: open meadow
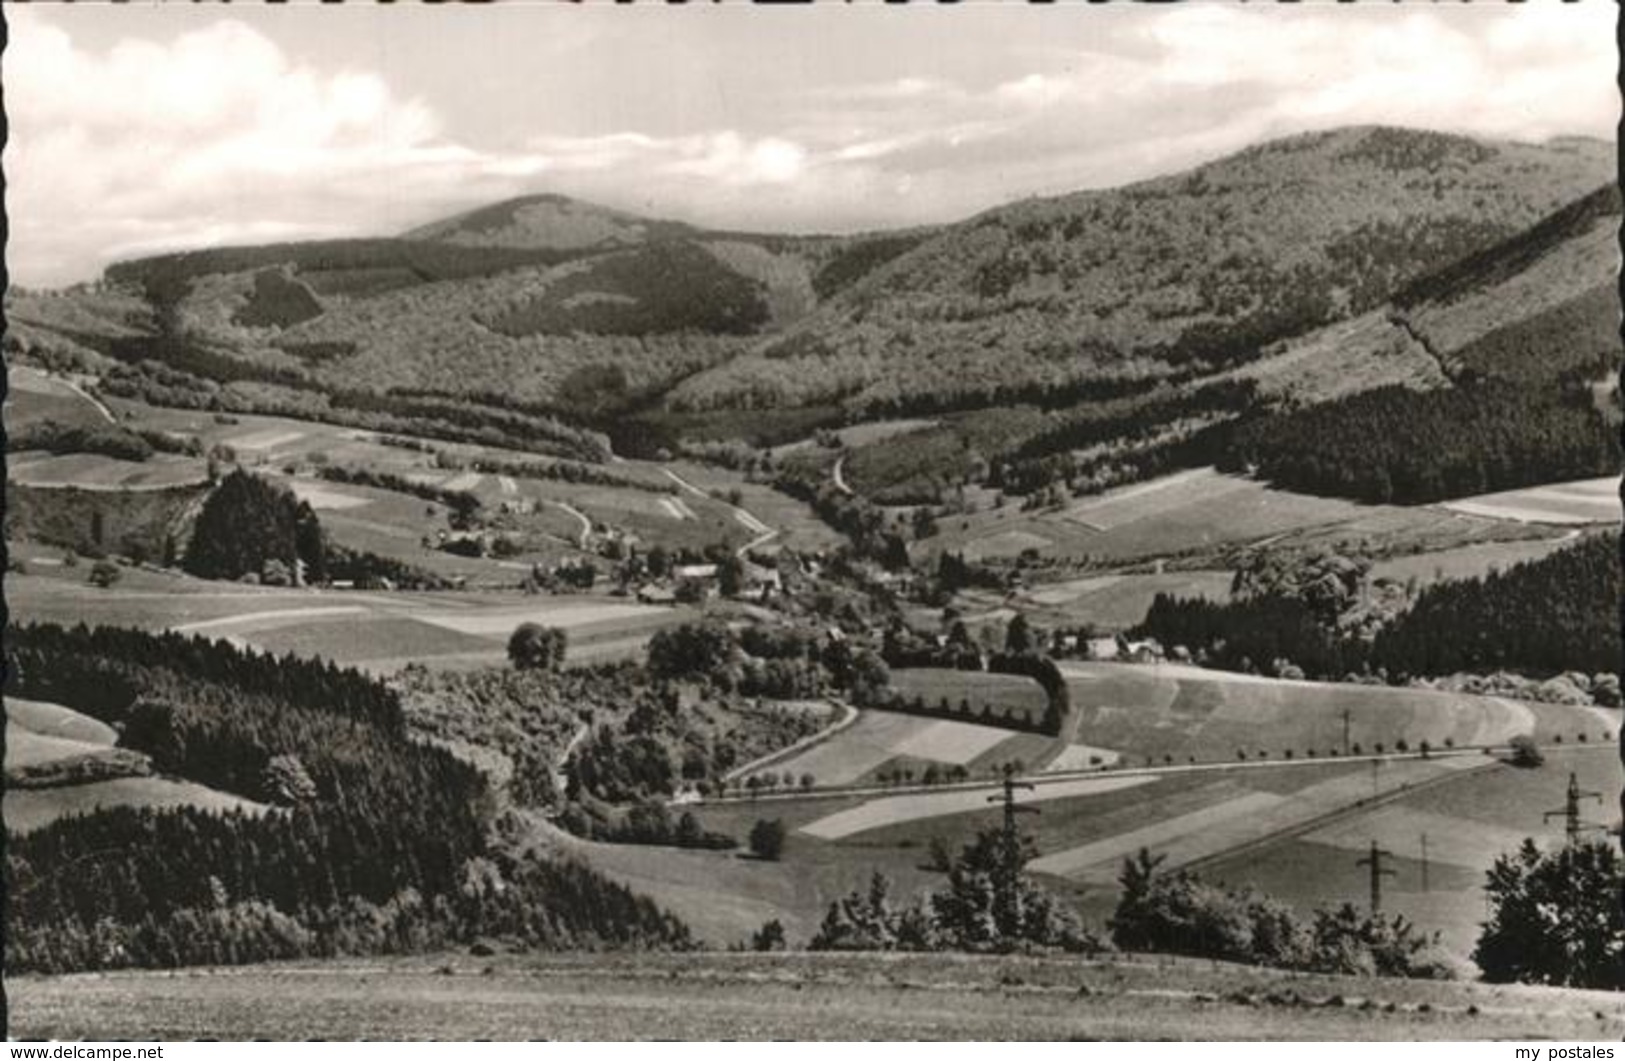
column 789, row 996
column 1170, row 713
column 33, row 397
column 1207, row 769
column 1118, row 600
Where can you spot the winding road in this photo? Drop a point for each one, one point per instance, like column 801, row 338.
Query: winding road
column 763, row 532
column 838, row 479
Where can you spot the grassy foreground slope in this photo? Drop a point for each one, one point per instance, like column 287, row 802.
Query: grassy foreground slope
column 792, row 996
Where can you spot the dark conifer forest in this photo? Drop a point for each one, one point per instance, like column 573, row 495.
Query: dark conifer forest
column 1395, row 445
column 1541, row 618
column 1558, row 613
column 390, row 848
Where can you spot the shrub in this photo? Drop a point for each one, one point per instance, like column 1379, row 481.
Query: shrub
column 1525, row 752
column 536, row 647
column 767, row 839
column 105, row 573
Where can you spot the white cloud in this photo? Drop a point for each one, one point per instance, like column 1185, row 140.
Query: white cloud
column 220, row 135
column 213, row 137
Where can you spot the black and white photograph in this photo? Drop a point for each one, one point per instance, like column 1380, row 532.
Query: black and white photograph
column 980, row 521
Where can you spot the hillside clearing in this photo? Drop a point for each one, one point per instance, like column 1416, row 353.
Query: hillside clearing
column 1204, row 516
column 54, row 720
column 33, row 397
column 1579, row 502
column 27, row 809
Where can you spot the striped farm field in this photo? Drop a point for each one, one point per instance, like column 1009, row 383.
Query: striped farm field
column 878, row 737
column 380, row 631
column 1202, row 513
column 1443, row 838
column 1250, row 815
column 347, row 641
column 895, row 810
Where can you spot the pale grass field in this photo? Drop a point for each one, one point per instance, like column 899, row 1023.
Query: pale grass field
column 718, row 996
column 1580, row 502
column 27, row 809
column 891, row 810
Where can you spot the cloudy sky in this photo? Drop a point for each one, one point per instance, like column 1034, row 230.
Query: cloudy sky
column 137, row 128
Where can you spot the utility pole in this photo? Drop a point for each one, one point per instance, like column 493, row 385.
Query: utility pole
column 1573, row 824
column 1345, row 732
column 1006, row 913
column 1378, row 871
column 1424, row 862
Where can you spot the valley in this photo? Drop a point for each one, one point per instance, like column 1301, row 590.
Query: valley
column 550, row 578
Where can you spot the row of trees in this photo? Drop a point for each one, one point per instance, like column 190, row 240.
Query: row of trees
column 987, row 906
column 227, row 385
column 108, row 440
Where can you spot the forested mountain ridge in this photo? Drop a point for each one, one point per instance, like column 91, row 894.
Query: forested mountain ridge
column 1207, row 267
column 1491, row 372
column 577, row 313
column 1526, row 337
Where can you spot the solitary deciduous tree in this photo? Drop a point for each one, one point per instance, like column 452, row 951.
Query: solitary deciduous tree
column 536, row 647
column 767, row 839
column 1555, row 918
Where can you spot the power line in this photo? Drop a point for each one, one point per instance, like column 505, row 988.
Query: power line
column 1573, row 824
column 1005, row 912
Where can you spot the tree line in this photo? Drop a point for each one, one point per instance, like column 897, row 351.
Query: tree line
column 1400, row 446
column 1543, row 616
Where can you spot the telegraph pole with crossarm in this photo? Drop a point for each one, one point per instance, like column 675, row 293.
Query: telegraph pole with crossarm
column 1378, row 871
